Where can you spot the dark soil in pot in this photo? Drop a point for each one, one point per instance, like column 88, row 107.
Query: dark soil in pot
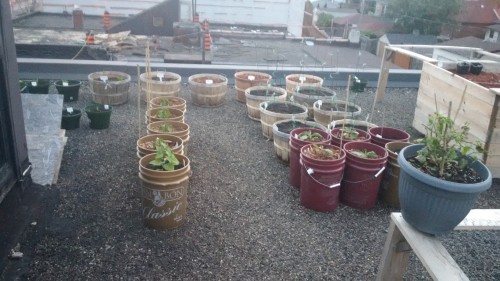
column 338, row 107
column 256, row 77
column 164, row 79
column 157, row 168
column 203, row 80
column 306, row 80
column 287, row 127
column 284, row 108
column 315, row 92
column 264, row 93
column 467, row 175
column 110, row 79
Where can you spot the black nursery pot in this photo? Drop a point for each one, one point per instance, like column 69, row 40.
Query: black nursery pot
column 476, row 68
column 38, row 86
column 359, row 85
column 71, row 121
column 463, row 68
column 69, row 89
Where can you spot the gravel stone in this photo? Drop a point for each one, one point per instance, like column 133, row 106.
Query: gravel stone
column 244, row 219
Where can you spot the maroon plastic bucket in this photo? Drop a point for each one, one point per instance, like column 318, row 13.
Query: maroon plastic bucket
column 363, row 137
column 320, row 180
column 362, row 177
column 295, row 146
column 382, row 135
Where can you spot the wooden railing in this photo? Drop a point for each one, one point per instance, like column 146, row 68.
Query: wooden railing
column 402, row 238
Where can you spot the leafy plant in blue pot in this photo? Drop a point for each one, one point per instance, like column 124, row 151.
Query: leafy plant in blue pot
column 441, row 177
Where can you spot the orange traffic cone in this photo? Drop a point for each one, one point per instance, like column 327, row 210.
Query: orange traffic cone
column 89, row 40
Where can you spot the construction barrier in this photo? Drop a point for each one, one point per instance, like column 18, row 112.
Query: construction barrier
column 206, row 40
column 106, row 21
column 205, row 26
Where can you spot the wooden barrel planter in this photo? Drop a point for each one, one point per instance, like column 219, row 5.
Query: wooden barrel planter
column 162, row 84
column 146, row 144
column 281, row 135
column 174, row 128
column 258, row 94
column 325, row 112
column 155, row 114
column 273, row 111
column 109, row 87
column 351, row 123
column 246, row 79
column 295, row 80
column 208, row 90
column 308, row 95
column 169, row 102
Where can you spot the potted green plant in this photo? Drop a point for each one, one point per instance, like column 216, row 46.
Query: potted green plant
column 68, row 88
column 343, row 135
column 320, row 176
column 164, row 114
column 170, row 102
column 365, row 163
column 441, row 177
column 147, row 144
column 281, row 134
column 99, row 115
column 164, row 179
column 310, row 136
column 164, row 157
column 300, row 137
column 175, row 128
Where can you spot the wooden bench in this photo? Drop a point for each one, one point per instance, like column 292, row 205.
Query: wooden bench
column 402, row 238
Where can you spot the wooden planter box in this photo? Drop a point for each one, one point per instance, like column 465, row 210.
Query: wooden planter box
column 479, row 108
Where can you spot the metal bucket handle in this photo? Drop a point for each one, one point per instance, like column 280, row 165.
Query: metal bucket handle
column 310, row 171
column 369, row 178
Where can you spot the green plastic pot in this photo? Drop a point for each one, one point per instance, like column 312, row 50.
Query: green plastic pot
column 71, row 121
column 99, row 116
column 69, row 89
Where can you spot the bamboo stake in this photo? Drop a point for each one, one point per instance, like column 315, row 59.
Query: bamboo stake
column 139, row 98
column 345, row 109
column 148, row 73
column 460, row 104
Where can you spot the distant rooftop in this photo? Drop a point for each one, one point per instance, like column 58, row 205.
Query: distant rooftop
column 411, row 39
column 473, row 42
column 478, row 12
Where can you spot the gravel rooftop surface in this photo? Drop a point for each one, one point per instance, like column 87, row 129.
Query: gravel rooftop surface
column 244, row 219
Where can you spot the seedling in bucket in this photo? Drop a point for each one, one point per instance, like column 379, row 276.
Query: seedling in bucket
column 164, row 158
